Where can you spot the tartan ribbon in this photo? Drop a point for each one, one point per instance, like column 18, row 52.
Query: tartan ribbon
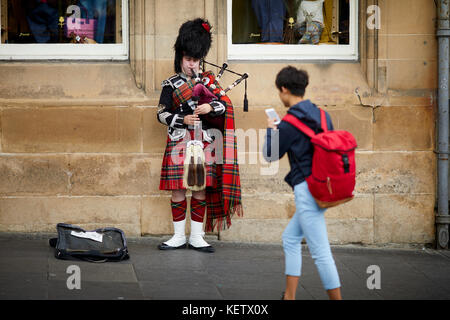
column 225, row 200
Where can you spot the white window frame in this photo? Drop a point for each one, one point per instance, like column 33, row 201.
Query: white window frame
column 295, row 52
column 69, row 51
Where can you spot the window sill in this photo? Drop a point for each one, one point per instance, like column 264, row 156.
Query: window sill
column 262, row 52
column 69, row 83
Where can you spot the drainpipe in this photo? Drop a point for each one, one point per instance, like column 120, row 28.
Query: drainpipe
column 443, row 34
column 375, row 58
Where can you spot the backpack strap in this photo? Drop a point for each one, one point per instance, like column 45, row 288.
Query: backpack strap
column 303, row 127
column 323, row 120
column 299, row 125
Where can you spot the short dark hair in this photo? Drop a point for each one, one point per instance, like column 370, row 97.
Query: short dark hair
column 293, row 79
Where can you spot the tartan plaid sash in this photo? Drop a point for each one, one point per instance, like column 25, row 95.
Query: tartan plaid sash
column 225, row 200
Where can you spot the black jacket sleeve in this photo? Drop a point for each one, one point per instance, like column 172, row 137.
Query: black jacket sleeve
column 218, row 108
column 164, row 114
column 279, row 141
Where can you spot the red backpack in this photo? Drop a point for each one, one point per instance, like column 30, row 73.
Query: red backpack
column 333, row 166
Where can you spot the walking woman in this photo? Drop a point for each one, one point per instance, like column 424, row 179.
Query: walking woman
column 308, row 221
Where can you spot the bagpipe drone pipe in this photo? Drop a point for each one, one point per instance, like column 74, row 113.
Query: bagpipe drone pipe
column 206, row 91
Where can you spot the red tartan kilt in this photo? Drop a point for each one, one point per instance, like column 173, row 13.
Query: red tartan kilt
column 172, row 165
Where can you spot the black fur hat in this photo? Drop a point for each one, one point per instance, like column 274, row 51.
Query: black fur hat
column 194, row 40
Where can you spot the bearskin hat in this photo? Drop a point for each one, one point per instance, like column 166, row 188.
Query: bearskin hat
column 194, row 40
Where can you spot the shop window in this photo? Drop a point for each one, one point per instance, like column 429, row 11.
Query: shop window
column 292, row 29
column 64, row 29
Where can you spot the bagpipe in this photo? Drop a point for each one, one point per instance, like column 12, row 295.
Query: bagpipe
column 215, row 92
column 206, row 91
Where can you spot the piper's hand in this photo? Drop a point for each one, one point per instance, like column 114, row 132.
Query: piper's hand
column 203, row 109
column 190, row 119
column 271, row 124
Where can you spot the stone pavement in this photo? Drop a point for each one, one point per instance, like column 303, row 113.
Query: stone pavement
column 236, row 271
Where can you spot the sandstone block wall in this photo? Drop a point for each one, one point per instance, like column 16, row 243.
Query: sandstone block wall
column 87, row 149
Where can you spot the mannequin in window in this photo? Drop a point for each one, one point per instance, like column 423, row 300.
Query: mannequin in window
column 310, row 21
column 270, row 15
column 42, row 18
column 97, row 9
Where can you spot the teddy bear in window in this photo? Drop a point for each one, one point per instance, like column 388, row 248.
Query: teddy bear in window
column 310, row 21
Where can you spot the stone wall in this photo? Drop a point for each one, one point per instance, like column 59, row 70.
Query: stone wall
column 87, row 149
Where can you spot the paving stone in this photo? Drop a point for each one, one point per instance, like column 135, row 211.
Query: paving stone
column 16, row 265
column 192, row 284
column 236, row 271
column 177, row 261
column 23, row 286
column 249, row 294
column 108, row 272
column 95, row 290
column 238, row 281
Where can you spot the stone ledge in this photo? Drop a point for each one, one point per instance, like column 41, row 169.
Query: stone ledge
column 41, row 214
column 68, row 81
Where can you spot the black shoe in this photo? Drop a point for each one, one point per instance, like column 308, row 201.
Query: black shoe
column 164, row 246
column 208, row 249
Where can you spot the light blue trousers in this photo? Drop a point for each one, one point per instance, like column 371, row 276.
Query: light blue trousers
column 309, row 222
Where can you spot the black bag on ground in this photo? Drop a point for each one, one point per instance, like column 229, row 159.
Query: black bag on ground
column 100, row 245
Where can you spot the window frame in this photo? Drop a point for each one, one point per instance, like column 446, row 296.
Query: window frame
column 269, row 52
column 69, row 51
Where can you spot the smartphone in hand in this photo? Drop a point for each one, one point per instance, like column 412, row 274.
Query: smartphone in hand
column 272, row 114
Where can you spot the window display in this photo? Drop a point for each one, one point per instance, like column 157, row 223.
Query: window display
column 61, row 21
column 310, row 21
column 297, row 22
column 270, row 15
